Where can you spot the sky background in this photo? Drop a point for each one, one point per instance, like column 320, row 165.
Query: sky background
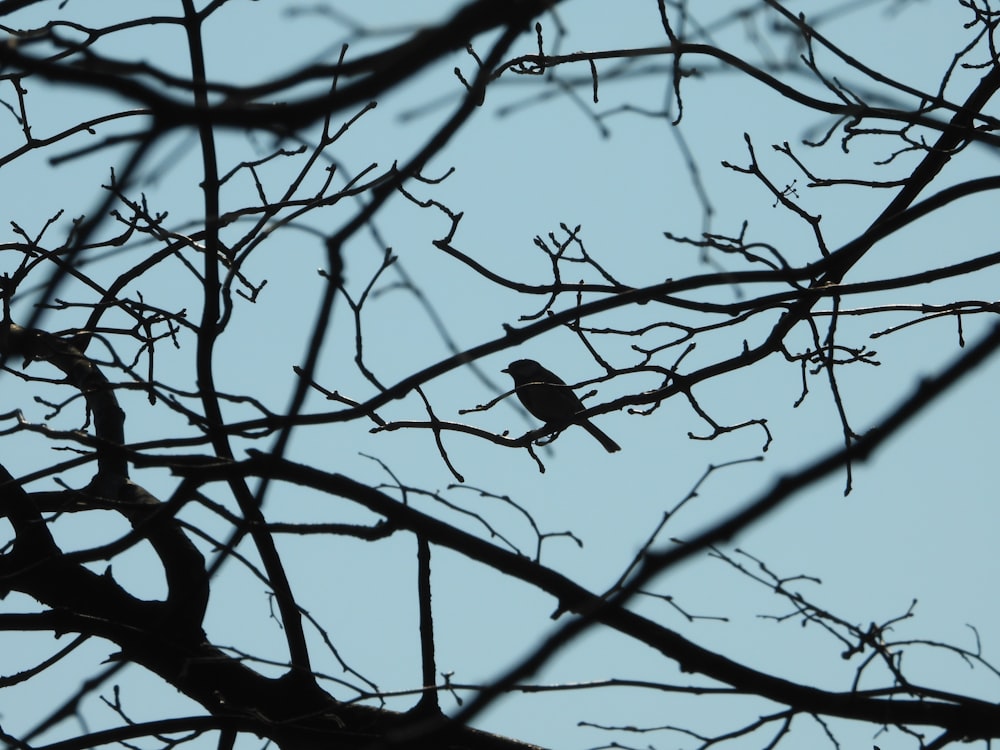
column 919, row 524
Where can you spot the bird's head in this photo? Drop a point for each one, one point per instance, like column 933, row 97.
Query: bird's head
column 523, row 368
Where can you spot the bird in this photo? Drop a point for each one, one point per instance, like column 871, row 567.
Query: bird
column 546, row 396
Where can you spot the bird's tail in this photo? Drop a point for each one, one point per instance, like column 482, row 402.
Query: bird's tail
column 609, row 445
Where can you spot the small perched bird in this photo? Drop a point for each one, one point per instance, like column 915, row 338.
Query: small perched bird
column 548, row 398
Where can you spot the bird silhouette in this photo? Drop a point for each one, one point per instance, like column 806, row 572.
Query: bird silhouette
column 547, row 397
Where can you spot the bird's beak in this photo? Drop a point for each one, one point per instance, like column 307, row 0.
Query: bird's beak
column 506, row 370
